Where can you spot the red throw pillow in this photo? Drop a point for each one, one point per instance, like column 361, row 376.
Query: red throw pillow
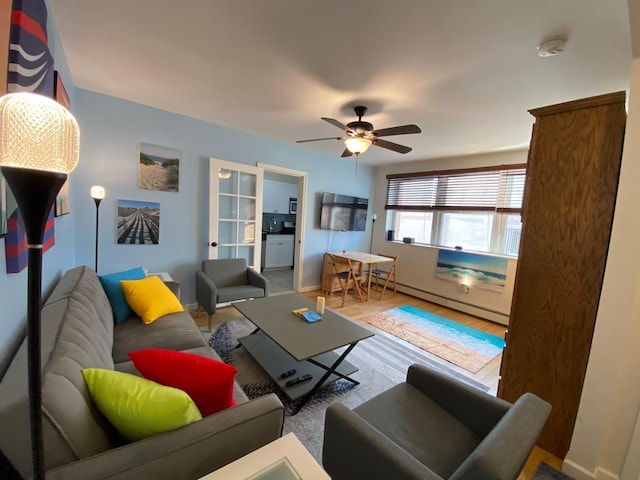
column 208, row 382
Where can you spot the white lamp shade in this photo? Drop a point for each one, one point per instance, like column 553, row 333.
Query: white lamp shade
column 357, row 144
column 37, row 133
column 97, row 192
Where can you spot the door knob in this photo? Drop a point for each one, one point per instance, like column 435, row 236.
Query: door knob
column 214, row 244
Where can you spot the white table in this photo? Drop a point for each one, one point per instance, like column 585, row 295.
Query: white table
column 283, row 459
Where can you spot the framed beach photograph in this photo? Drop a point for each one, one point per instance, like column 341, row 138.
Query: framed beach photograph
column 3, row 206
column 159, row 168
column 62, row 200
column 60, row 95
column 138, row 223
column 59, row 92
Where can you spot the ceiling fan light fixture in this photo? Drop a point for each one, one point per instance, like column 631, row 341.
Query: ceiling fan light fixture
column 357, row 144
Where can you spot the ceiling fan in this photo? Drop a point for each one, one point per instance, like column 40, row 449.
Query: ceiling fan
column 359, row 135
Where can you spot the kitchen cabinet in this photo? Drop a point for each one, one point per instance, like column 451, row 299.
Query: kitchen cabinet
column 567, row 214
column 278, row 251
column 275, row 197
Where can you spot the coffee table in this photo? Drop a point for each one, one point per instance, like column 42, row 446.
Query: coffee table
column 282, row 341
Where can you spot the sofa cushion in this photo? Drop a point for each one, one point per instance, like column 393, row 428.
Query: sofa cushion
column 208, row 382
column 113, row 289
column 150, row 298
column 176, row 331
column 138, row 407
column 416, row 417
column 239, row 292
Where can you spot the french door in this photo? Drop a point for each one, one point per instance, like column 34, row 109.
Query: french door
column 235, row 211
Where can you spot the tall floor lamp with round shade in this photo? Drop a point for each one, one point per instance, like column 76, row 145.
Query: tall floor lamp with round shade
column 97, row 193
column 39, row 146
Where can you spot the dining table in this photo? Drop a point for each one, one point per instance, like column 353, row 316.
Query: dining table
column 365, row 259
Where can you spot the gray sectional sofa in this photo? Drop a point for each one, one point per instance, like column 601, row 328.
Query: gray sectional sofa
column 78, row 332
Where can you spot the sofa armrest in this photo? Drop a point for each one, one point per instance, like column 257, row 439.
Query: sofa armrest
column 189, row 452
column 478, row 410
column 503, row 453
column 206, row 292
column 353, row 448
column 174, row 287
column 256, row 278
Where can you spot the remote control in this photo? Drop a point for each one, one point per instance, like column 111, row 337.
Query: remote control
column 297, row 380
column 288, row 373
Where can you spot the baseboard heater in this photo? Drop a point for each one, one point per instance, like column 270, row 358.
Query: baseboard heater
column 482, row 312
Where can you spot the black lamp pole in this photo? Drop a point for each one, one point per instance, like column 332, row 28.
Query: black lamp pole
column 34, row 191
column 97, row 200
column 373, row 224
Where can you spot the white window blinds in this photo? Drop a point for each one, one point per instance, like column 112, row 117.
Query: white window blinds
column 497, row 189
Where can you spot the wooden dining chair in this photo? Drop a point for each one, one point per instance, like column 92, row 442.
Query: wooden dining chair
column 349, row 274
column 385, row 275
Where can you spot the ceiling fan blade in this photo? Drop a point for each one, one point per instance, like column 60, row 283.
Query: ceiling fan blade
column 346, row 153
column 401, row 130
column 391, row 146
column 336, row 123
column 317, row 139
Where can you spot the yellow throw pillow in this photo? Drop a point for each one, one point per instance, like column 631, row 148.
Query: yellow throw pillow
column 137, row 407
column 150, row 298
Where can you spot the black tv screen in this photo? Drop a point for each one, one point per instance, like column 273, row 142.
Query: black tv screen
column 343, row 212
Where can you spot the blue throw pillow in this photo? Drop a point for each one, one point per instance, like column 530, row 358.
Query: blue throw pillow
column 113, row 289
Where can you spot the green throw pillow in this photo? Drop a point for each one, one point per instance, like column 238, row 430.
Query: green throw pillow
column 137, row 407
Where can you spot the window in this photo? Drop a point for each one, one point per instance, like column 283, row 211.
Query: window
column 476, row 209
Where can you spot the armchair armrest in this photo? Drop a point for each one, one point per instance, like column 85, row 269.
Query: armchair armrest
column 475, row 408
column 206, row 292
column 189, row 452
column 503, row 453
column 257, row 279
column 353, row 448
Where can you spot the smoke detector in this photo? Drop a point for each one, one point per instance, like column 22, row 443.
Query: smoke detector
column 552, row 47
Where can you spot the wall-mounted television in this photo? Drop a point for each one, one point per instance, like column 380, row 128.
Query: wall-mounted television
column 343, row 212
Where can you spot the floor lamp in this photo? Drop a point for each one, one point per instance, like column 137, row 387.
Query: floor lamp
column 39, row 145
column 373, row 224
column 97, row 193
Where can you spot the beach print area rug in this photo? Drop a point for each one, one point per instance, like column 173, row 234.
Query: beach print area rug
column 464, row 346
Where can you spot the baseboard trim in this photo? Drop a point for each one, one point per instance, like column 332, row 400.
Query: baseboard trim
column 580, row 473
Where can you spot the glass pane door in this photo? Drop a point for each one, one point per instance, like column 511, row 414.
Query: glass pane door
column 236, row 197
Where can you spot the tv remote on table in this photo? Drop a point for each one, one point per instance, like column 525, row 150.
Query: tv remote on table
column 288, row 373
column 297, row 380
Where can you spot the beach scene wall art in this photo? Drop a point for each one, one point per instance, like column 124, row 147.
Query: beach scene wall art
column 159, row 168
column 138, row 223
column 477, row 271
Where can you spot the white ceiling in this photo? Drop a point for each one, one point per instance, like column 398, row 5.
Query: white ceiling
column 465, row 71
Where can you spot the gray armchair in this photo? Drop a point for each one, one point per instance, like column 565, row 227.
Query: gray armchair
column 228, row 280
column 432, row 427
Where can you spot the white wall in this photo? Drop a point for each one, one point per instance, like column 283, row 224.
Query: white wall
column 610, row 399
column 417, row 263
